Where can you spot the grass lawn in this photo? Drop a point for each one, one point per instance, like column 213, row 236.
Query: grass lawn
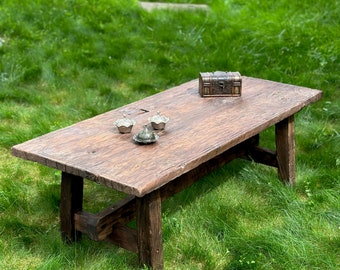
column 65, row 61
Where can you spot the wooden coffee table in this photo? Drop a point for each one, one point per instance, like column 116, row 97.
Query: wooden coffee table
column 202, row 135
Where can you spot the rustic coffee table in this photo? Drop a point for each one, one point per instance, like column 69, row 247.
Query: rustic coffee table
column 202, row 135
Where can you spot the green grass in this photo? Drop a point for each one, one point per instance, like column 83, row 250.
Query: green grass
column 64, row 61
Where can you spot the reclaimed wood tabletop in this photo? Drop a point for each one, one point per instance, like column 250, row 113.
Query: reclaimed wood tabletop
column 199, row 129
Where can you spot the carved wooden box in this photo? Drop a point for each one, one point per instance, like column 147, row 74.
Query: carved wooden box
column 220, row 83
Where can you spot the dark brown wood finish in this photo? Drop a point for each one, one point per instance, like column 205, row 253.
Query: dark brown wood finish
column 99, row 226
column 125, row 237
column 149, row 230
column 71, row 201
column 203, row 134
column 285, row 148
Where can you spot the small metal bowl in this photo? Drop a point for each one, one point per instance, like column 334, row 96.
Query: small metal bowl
column 158, row 121
column 125, row 125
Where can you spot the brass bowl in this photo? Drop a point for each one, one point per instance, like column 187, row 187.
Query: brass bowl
column 125, row 125
column 158, row 121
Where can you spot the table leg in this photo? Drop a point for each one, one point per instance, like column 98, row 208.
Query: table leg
column 285, row 149
column 149, row 230
column 71, row 200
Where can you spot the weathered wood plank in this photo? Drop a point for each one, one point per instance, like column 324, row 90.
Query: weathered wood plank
column 262, row 155
column 99, row 226
column 285, row 148
column 199, row 129
column 85, row 222
column 71, row 200
column 149, row 230
column 124, row 237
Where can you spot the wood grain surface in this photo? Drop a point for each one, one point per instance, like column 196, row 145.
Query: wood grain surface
column 199, row 129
